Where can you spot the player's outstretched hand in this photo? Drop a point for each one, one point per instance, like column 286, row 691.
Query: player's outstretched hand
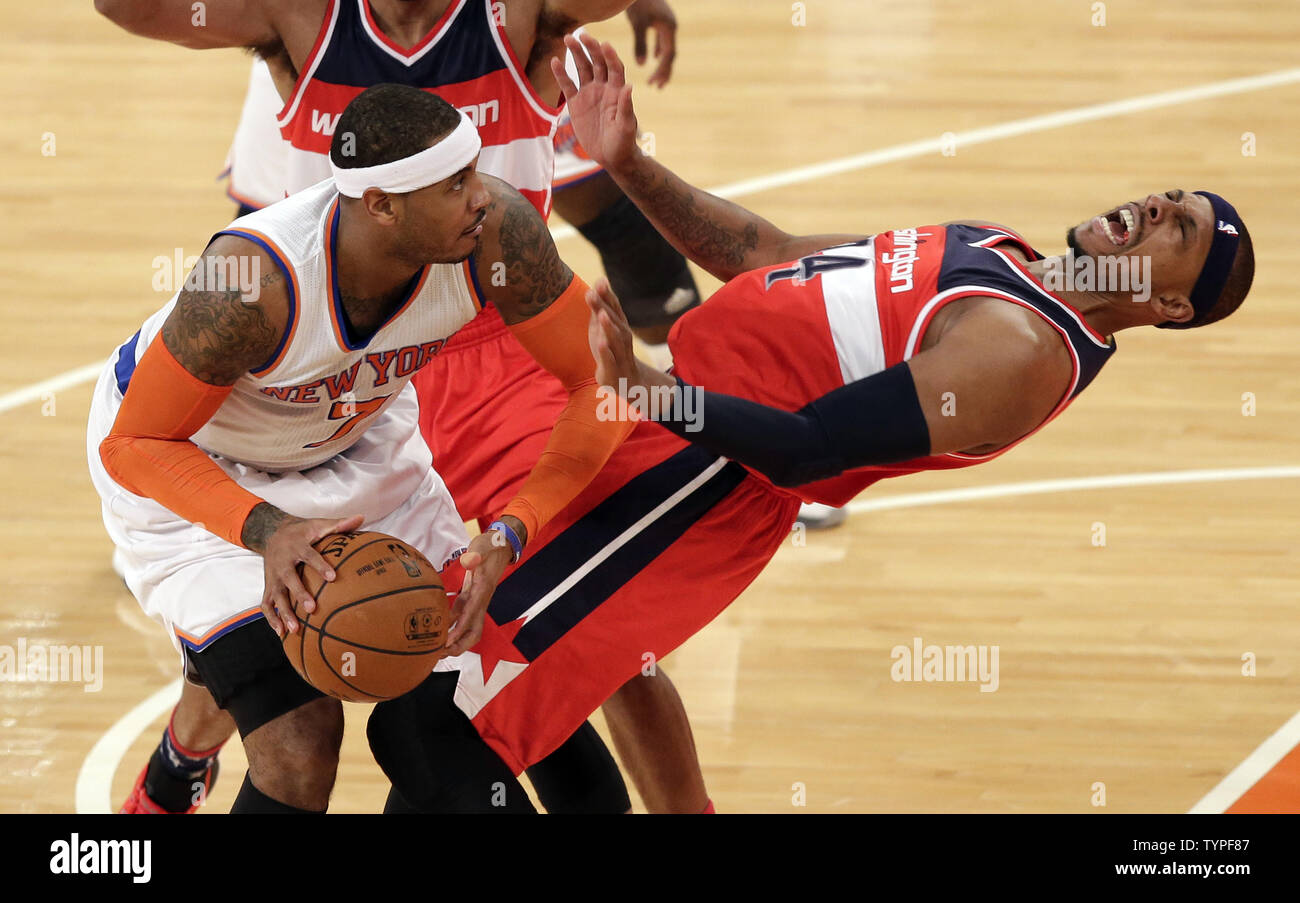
column 600, row 105
column 656, row 15
column 484, row 562
column 289, row 546
column 610, row 338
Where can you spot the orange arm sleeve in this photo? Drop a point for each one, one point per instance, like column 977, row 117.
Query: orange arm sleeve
column 149, row 453
column 581, row 441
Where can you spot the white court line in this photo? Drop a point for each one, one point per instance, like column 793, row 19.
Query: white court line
column 38, row 391
column 1072, row 484
column 95, row 780
column 1245, row 775
column 911, row 149
column 96, row 777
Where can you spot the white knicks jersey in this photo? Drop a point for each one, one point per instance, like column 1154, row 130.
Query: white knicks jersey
column 323, row 386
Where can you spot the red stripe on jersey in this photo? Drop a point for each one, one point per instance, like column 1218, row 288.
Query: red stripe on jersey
column 488, row 100
column 308, row 65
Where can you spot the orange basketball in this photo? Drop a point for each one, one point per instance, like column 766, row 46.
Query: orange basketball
column 378, row 628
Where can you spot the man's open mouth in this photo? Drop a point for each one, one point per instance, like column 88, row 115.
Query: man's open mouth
column 1118, row 225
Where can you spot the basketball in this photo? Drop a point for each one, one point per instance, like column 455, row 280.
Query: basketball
column 378, row 628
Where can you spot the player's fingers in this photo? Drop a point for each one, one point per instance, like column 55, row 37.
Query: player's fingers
column 609, row 56
column 613, row 306
column 567, row 88
column 666, row 53
column 296, row 592
column 268, row 611
column 312, row 559
column 606, row 365
column 598, row 70
column 346, row 525
column 638, row 43
column 285, row 611
column 580, row 61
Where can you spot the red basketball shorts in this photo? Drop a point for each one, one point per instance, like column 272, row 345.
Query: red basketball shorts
column 486, row 411
column 654, row 549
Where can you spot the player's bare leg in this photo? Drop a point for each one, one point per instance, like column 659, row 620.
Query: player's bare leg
column 196, row 720
column 292, row 760
column 183, row 767
column 653, row 737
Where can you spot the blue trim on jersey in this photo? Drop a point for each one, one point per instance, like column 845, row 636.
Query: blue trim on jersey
column 595, row 530
column 209, row 640
column 964, row 264
column 288, row 282
column 124, row 369
column 473, row 278
column 350, row 338
column 465, row 51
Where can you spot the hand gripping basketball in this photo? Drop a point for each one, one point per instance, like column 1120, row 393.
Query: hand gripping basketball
column 289, row 546
column 484, row 563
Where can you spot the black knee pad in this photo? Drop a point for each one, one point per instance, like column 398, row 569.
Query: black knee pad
column 435, row 758
column 650, row 276
column 580, row 778
column 249, row 676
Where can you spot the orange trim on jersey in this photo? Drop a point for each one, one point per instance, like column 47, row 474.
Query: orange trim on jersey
column 519, row 72
column 308, row 65
column 335, row 305
column 231, row 621
column 295, row 297
column 447, row 15
column 329, row 275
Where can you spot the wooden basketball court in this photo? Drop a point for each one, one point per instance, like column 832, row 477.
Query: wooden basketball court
column 1146, row 626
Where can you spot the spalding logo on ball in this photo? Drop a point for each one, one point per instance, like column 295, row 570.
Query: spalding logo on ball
column 378, row 628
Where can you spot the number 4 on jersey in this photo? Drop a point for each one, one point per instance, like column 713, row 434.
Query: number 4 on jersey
column 351, row 413
column 807, row 269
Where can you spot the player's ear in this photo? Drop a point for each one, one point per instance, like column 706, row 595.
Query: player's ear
column 379, row 205
column 1172, row 306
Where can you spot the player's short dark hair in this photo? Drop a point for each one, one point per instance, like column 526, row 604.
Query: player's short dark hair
column 1240, row 277
column 390, row 122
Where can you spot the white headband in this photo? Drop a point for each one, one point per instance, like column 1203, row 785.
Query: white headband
column 433, row 164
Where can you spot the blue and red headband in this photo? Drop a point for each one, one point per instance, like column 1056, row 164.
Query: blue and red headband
column 1218, row 263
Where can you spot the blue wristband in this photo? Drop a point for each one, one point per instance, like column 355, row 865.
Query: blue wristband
column 511, row 537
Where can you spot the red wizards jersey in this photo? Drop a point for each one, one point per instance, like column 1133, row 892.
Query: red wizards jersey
column 465, row 58
column 845, row 313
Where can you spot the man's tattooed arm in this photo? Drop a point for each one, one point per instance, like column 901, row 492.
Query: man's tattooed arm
column 517, row 264
column 216, row 331
column 261, row 525
column 722, row 237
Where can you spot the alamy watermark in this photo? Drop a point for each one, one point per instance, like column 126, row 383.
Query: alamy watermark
column 663, row 404
column 211, row 273
column 27, row 662
column 1114, row 275
column 75, row 856
column 946, row 664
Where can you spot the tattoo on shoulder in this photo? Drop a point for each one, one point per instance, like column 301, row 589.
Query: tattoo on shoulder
column 217, row 336
column 534, row 272
column 261, row 523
